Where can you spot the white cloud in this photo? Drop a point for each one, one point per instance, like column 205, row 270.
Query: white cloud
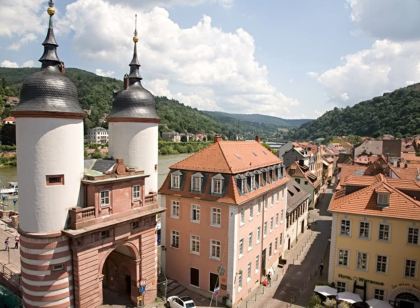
column 387, row 19
column 367, row 73
column 101, row 72
column 203, row 66
column 7, row 63
column 20, row 22
column 168, row 3
column 11, row 64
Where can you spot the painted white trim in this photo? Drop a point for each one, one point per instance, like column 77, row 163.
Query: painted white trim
column 47, row 293
column 332, row 260
column 47, row 304
column 45, row 262
column 46, row 282
column 232, row 252
column 43, row 251
column 34, row 272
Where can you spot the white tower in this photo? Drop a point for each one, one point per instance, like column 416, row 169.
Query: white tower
column 49, row 142
column 133, row 125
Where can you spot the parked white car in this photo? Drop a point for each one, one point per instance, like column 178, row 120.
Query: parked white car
column 180, row 302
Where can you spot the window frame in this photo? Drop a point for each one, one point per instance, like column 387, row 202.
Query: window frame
column 195, row 243
column 364, row 230
column 135, row 195
column 218, row 248
column 413, row 236
column 343, row 258
column 366, row 261
column 410, row 268
column 346, row 229
column 197, row 177
column 175, row 204
column 217, row 183
column 175, row 235
column 176, row 179
column 101, row 198
column 216, row 212
column 388, row 232
column 195, row 208
column 381, row 263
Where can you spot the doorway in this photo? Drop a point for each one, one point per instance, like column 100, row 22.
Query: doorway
column 302, row 226
column 263, row 258
column 288, row 243
column 407, row 300
column 194, row 277
column 214, row 281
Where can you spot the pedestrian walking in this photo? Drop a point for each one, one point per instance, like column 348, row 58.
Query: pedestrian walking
column 16, row 241
column 269, row 278
column 321, row 268
column 6, row 244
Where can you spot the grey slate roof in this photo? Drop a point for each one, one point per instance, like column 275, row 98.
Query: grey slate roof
column 295, row 195
column 99, row 165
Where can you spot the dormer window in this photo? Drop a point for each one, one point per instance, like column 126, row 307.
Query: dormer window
column 253, row 186
column 240, row 183
column 176, row 179
column 196, row 182
column 217, row 184
column 383, row 199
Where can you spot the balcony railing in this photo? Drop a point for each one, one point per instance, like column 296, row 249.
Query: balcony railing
column 79, row 214
column 150, row 199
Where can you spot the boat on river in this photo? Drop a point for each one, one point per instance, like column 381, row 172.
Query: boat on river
column 11, row 189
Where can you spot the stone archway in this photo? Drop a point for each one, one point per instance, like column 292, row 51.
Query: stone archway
column 406, row 297
column 120, row 275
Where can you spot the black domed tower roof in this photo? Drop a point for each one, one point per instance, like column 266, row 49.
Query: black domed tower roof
column 49, row 91
column 134, row 102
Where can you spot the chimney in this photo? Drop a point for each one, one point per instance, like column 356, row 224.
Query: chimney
column 257, row 139
column 217, row 138
column 126, row 81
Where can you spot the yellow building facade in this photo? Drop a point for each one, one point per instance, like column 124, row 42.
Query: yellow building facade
column 375, row 244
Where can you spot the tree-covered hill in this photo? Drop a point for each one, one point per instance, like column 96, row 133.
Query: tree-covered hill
column 396, row 113
column 95, row 95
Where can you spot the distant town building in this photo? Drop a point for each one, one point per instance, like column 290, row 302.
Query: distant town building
column 171, row 136
column 226, row 218
column 98, row 135
column 389, row 148
column 375, row 244
column 9, row 120
column 297, row 212
column 200, row 137
column 12, row 101
column 307, row 179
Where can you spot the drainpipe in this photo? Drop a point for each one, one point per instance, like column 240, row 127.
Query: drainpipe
column 262, row 237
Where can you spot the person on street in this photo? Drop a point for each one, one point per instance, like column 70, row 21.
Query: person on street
column 16, row 241
column 6, row 244
column 321, row 268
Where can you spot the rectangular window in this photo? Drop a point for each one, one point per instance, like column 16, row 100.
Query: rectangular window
column 175, row 181
column 410, row 268
column 341, row 286
column 249, row 271
column 277, row 219
column 215, row 249
column 242, row 216
column 58, row 267
column 343, row 257
column 384, row 232
column 195, row 213
column 135, row 190
column 345, row 227
column 270, row 249
column 362, row 261
column 105, row 200
column 281, row 238
column 364, row 229
column 379, row 294
column 175, row 209
column 57, row 179
column 195, row 244
column 216, row 217
column 381, row 264
column 240, row 279
column 196, row 183
column 250, row 241
column 257, row 263
column 217, row 186
column 175, row 239
column 271, row 223
column 413, row 235
column 275, row 244
column 258, row 234
column 265, row 228
column 241, row 247
column 282, row 215
column 253, row 186
column 251, row 212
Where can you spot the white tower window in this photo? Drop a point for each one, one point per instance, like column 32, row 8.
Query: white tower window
column 57, row 179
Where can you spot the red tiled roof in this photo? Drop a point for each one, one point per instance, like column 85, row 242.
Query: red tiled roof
column 364, row 201
column 229, row 157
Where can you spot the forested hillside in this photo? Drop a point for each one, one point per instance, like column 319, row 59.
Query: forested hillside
column 95, row 95
column 396, row 113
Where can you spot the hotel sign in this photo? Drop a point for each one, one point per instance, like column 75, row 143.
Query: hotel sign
column 361, row 279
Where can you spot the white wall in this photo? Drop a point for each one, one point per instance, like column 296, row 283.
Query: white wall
column 137, row 144
column 48, row 147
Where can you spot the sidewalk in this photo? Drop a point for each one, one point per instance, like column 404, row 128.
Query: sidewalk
column 296, row 281
column 9, row 258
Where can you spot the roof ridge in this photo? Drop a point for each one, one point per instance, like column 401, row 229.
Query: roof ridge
column 224, row 157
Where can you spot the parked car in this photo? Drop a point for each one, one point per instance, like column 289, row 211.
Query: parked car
column 180, row 302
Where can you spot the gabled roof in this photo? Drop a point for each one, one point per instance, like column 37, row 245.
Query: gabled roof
column 295, row 195
column 364, row 201
column 295, row 170
column 229, row 157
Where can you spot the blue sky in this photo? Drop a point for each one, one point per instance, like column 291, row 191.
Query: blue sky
column 290, row 59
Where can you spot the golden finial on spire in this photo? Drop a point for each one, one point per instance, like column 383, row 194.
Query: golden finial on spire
column 135, row 37
column 51, row 8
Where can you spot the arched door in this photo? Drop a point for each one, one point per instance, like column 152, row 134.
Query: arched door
column 407, row 300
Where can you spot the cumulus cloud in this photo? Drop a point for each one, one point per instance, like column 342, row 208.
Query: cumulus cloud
column 203, row 66
column 168, row 3
column 19, row 21
column 384, row 67
column 12, row 64
column 387, row 19
column 103, row 73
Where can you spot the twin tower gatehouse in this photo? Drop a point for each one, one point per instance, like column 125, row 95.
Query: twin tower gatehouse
column 87, row 226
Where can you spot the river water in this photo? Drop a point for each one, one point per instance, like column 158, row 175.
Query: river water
column 9, row 175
